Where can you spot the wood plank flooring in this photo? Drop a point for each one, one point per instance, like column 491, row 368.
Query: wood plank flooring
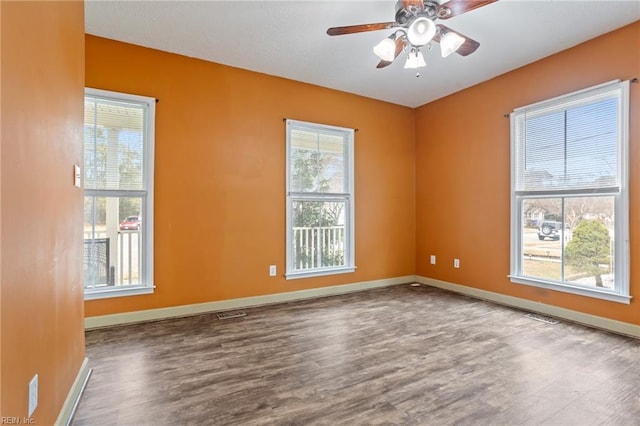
column 399, row 355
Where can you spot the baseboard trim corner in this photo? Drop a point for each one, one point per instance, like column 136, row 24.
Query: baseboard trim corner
column 542, row 308
column 75, row 393
column 245, row 302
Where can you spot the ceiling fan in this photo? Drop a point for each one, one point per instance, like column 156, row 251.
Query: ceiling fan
column 415, row 28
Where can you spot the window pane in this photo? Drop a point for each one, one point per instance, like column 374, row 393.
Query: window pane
column 544, row 152
column 112, row 241
column 332, row 156
column 592, row 151
column 542, row 238
column 318, row 234
column 317, row 162
column 589, row 254
column 305, row 165
column 113, row 144
column 569, row 239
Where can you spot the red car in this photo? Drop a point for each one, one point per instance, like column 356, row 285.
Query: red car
column 130, row 223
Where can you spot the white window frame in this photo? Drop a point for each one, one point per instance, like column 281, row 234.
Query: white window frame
column 620, row 90
column 147, row 279
column 347, row 197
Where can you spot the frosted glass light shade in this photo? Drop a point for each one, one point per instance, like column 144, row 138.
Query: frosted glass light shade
column 415, row 60
column 450, row 42
column 421, row 31
column 386, row 49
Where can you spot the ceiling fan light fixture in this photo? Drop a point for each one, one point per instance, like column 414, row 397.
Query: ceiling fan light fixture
column 421, row 31
column 386, row 49
column 415, row 60
column 450, row 42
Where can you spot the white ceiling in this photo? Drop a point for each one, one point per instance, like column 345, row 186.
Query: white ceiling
column 288, row 39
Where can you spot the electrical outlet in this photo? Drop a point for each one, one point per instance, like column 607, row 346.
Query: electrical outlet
column 272, row 270
column 433, row 259
column 33, row 395
column 456, row 263
column 77, row 176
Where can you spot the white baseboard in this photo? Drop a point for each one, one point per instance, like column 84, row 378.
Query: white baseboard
column 554, row 311
column 73, row 397
column 245, row 302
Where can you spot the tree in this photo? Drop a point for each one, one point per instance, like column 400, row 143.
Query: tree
column 589, row 248
column 549, row 208
column 306, row 169
column 579, row 208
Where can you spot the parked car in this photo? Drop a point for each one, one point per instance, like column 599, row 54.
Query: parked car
column 553, row 230
column 130, row 223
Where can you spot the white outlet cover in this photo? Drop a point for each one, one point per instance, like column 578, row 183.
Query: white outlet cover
column 433, row 259
column 77, row 176
column 272, row 270
column 33, row 395
column 456, row 263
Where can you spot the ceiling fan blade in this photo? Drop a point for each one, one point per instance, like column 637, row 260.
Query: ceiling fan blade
column 414, row 5
column 458, row 7
column 468, row 47
column 351, row 29
column 400, row 44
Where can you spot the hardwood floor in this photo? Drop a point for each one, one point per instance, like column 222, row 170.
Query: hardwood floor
column 399, row 355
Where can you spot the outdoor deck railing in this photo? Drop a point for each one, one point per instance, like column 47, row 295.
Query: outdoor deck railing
column 315, row 247
column 128, row 257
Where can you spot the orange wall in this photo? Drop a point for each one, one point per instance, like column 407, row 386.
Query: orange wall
column 1, row 410
column 41, row 307
column 1, row 31
column 463, row 174
column 220, row 175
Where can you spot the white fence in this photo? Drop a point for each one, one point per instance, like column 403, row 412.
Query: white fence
column 318, row 247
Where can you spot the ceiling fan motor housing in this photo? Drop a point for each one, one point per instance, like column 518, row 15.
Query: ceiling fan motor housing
column 407, row 10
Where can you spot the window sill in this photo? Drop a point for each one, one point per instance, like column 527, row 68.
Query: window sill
column 568, row 288
column 319, row 273
column 121, row 291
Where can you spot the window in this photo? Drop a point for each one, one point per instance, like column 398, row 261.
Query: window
column 118, row 194
column 320, row 224
column 569, row 193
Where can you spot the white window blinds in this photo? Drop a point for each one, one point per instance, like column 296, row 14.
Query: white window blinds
column 318, row 161
column 570, row 144
column 114, row 144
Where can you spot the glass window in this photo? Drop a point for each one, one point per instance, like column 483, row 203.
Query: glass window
column 319, row 200
column 569, row 196
column 118, row 194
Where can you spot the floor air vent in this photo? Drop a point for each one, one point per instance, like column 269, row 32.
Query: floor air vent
column 231, row 314
column 541, row 318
